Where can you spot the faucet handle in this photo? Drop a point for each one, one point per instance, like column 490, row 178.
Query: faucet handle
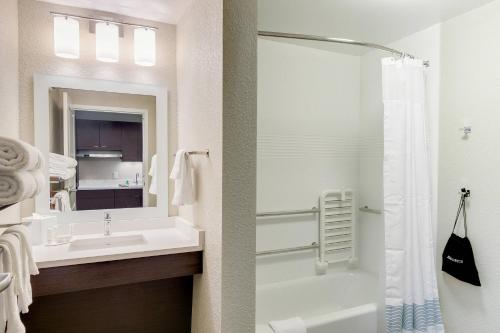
column 107, row 216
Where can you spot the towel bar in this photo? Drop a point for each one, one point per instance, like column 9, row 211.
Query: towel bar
column 367, row 209
column 198, row 152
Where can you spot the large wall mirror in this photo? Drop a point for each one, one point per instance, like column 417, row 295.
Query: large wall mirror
column 103, row 146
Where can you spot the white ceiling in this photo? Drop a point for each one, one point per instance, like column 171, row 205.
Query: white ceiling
column 379, row 21
column 166, row 11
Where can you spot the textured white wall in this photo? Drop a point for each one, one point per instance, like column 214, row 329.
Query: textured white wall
column 36, row 55
column 426, row 45
column 239, row 165
column 199, row 74
column 221, row 117
column 471, row 95
column 9, row 83
column 308, row 115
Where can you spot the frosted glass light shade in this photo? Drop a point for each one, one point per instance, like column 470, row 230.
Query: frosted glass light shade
column 66, row 37
column 145, row 46
column 106, row 42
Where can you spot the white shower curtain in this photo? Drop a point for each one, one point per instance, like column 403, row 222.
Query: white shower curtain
column 411, row 294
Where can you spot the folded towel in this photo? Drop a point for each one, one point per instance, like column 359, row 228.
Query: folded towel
column 153, row 174
column 61, row 201
column 58, row 161
column 20, row 185
column 181, row 173
column 19, row 270
column 27, row 265
column 9, row 311
column 22, row 233
column 291, row 325
column 16, row 155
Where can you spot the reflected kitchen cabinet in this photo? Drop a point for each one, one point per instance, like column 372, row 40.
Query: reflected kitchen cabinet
column 132, row 142
column 87, row 134
column 128, row 198
column 95, row 199
column 98, row 135
column 110, row 135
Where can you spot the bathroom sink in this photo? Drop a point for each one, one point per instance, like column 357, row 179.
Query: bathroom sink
column 102, row 242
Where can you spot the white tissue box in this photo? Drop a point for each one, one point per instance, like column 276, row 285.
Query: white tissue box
column 37, row 227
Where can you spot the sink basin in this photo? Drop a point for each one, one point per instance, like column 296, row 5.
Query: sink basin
column 102, row 242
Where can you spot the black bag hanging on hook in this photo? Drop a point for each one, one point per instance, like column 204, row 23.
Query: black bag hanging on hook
column 458, row 258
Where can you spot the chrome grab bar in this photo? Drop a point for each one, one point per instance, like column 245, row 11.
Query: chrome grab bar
column 289, row 249
column 313, row 210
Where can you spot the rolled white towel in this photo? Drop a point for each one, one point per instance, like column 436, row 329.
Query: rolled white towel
column 291, row 325
column 21, row 185
column 16, row 155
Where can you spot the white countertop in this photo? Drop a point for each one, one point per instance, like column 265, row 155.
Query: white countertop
column 160, row 238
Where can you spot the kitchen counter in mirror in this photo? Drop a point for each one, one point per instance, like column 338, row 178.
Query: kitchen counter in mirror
column 128, row 240
column 107, row 185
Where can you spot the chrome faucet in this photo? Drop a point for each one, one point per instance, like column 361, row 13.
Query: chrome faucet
column 137, row 178
column 107, row 224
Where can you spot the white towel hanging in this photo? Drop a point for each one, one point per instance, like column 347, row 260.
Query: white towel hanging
column 181, row 173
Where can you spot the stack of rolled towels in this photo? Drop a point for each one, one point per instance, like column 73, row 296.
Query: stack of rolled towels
column 21, row 175
column 60, row 166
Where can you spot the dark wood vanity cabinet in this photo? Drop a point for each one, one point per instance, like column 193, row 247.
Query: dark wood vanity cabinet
column 108, row 199
column 110, row 135
column 150, row 295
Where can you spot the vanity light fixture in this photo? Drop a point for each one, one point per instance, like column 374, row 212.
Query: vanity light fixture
column 106, row 41
column 145, row 46
column 66, row 37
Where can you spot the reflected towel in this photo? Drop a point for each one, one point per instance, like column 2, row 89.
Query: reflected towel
column 61, row 166
column 61, row 201
column 291, row 325
column 58, row 161
column 21, row 185
column 64, row 174
column 153, row 173
column 181, row 173
column 16, row 155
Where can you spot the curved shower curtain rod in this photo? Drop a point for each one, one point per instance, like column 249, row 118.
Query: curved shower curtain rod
column 339, row 41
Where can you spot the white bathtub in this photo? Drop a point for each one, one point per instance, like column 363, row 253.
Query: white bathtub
column 340, row 302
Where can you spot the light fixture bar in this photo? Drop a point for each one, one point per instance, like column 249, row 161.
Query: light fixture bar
column 102, row 20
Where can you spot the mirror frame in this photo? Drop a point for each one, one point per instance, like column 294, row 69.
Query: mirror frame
column 42, row 84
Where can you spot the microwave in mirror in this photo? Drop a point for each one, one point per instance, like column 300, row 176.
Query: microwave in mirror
column 101, row 150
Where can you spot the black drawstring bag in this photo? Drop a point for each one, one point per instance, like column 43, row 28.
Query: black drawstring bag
column 458, row 258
